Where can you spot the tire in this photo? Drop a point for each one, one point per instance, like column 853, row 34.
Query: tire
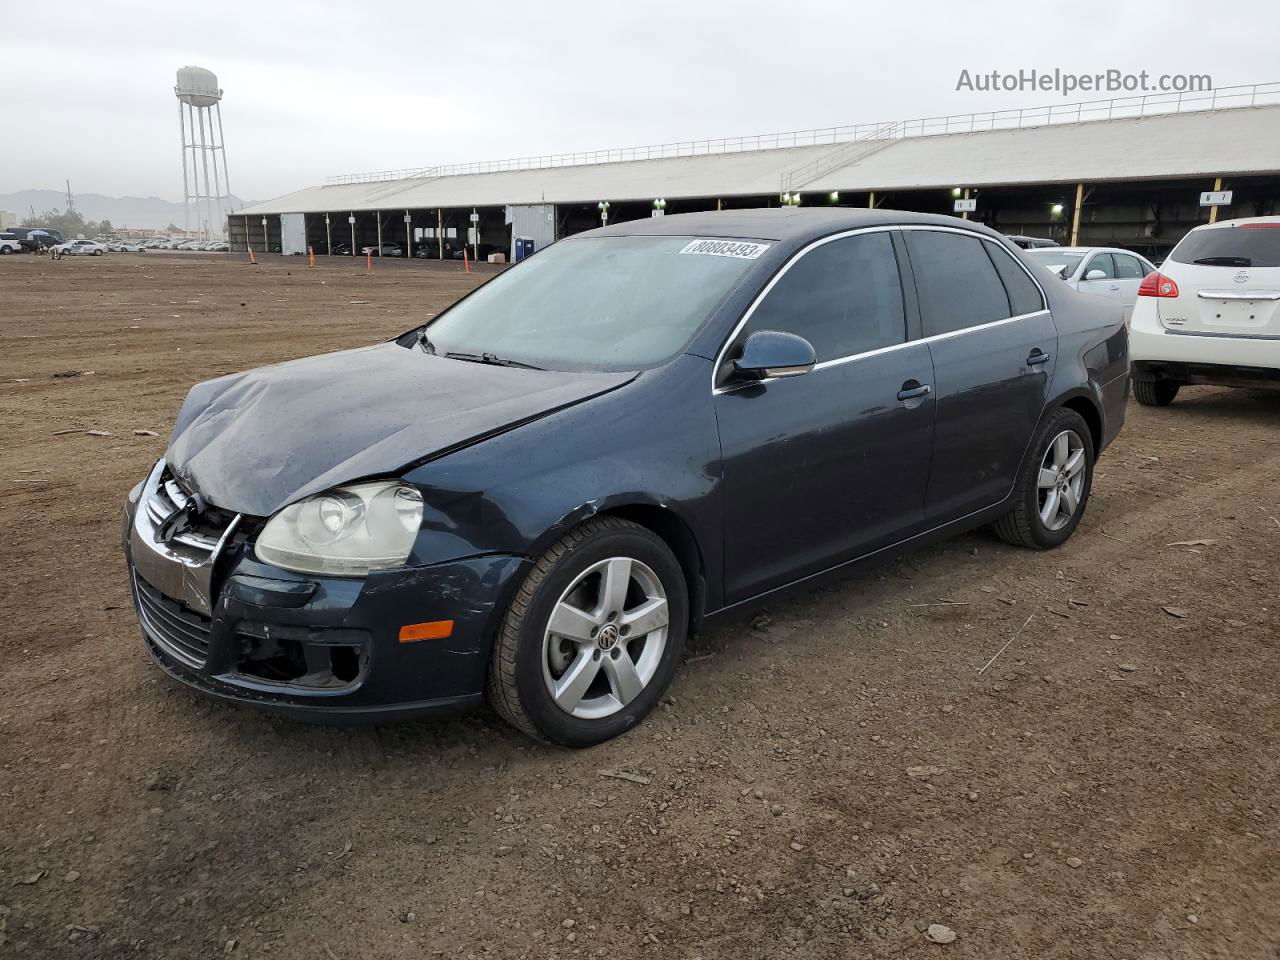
column 97, row 253
column 1155, row 393
column 600, row 698
column 1034, row 522
column 5, row 251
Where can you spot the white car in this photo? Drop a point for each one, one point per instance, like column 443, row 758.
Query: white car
column 1211, row 314
column 79, row 248
column 1105, row 271
column 123, row 246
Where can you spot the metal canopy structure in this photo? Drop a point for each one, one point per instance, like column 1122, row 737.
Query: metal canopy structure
column 1206, row 142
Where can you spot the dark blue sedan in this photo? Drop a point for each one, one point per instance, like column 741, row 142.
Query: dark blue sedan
column 535, row 498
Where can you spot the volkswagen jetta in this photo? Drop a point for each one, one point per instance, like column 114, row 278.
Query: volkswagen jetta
column 539, row 494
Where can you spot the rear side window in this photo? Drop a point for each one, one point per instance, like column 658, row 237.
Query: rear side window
column 844, row 297
column 1247, row 245
column 1024, row 295
column 1127, row 267
column 956, row 281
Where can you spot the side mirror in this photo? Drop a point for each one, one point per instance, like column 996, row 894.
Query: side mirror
column 771, row 353
column 1096, row 274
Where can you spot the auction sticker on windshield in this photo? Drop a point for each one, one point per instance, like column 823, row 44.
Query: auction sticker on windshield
column 726, row 248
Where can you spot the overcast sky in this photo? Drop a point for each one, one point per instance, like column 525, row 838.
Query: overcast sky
column 318, row 88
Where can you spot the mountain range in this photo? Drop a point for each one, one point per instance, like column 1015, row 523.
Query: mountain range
column 151, row 212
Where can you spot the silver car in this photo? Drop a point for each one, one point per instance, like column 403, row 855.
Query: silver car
column 79, row 248
column 1104, row 271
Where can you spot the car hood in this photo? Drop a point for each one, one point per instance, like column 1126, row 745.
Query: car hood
column 254, row 442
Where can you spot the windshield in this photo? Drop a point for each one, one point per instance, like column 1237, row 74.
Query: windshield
column 1248, row 245
column 598, row 303
column 1055, row 259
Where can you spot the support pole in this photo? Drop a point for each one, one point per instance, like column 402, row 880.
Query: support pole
column 408, row 236
column 1213, row 211
column 1075, row 214
column 378, row 214
column 204, row 162
column 871, row 200
column 226, row 177
column 351, row 219
column 328, row 237
column 440, row 232
column 186, row 189
column 965, row 215
column 215, row 201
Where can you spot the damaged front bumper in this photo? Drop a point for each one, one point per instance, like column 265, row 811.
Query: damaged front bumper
column 320, row 648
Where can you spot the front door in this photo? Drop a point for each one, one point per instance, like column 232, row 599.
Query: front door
column 993, row 342
column 824, row 467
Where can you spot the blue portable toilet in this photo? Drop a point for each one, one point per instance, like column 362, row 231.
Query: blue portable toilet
column 524, row 247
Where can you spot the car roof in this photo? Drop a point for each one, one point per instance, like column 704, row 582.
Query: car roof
column 1237, row 222
column 1082, row 250
column 778, row 223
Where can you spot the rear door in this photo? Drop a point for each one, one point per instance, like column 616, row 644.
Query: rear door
column 1228, row 282
column 993, row 342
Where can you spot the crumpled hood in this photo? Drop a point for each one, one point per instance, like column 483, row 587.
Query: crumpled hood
column 254, row 442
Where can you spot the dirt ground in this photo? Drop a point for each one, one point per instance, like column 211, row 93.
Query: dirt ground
column 825, row 781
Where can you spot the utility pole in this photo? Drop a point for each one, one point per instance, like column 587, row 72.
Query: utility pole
column 71, row 202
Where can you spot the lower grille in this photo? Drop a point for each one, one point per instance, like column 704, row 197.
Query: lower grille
column 182, row 632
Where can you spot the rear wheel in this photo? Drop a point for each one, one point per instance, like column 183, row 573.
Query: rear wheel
column 1053, row 488
column 1155, row 393
column 593, row 637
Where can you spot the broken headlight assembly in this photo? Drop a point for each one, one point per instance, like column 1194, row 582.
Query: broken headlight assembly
column 344, row 532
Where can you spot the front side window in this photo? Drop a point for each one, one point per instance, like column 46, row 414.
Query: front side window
column 956, row 280
column 1100, row 262
column 844, row 297
column 597, row 303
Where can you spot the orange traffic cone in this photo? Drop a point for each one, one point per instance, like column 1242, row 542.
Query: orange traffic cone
column 252, row 258
column 466, row 264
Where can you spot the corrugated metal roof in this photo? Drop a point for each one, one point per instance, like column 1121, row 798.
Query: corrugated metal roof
column 1208, row 143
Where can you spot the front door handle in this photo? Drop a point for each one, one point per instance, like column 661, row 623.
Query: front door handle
column 1037, row 357
column 909, row 392
column 1114, row 286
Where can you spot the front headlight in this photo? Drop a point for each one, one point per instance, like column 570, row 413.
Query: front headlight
column 345, row 532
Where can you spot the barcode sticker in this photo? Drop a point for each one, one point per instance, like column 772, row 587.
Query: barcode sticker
column 726, row 248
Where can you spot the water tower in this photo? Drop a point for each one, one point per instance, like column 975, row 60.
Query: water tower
column 204, row 188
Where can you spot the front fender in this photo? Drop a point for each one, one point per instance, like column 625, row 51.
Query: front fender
column 652, row 443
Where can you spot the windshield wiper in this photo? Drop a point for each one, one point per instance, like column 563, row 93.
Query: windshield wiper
column 425, row 342
column 492, row 359
column 1224, row 261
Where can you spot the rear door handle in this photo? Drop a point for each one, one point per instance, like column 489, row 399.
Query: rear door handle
column 911, row 393
column 1037, row 357
column 1115, row 286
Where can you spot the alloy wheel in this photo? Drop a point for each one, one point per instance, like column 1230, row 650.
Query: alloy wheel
column 605, row 638
column 1061, row 480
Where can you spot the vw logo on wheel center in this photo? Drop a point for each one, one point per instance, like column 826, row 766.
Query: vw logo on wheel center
column 608, row 637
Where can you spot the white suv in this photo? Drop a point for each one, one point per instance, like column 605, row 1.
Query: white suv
column 1211, row 314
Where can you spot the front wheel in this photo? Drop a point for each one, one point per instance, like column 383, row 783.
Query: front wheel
column 1053, row 487
column 593, row 637
column 1155, row 393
